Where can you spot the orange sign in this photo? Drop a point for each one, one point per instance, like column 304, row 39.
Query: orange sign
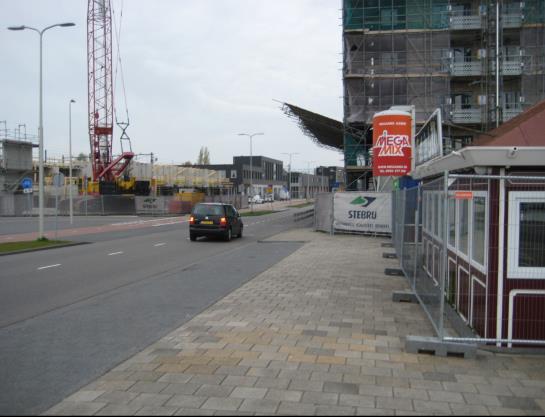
column 392, row 143
column 463, row 195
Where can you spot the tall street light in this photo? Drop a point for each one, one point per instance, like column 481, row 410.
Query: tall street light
column 41, row 126
column 251, row 167
column 70, row 159
column 289, row 171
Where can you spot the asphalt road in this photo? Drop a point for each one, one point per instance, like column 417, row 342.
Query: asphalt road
column 68, row 315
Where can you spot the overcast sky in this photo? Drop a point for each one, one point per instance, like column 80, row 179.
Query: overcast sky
column 197, row 72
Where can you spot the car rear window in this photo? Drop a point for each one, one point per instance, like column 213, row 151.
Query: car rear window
column 206, row 210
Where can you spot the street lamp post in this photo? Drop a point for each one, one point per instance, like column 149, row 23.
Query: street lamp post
column 289, row 170
column 251, row 167
column 70, row 160
column 40, row 125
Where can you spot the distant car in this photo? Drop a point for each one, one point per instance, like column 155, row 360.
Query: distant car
column 268, row 199
column 215, row 220
column 256, row 199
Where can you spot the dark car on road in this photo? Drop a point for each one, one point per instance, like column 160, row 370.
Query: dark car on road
column 215, row 219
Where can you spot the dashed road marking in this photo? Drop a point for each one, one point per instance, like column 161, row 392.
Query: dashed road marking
column 115, row 253
column 159, row 244
column 49, row 266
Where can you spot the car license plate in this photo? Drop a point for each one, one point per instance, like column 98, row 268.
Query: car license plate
column 207, row 222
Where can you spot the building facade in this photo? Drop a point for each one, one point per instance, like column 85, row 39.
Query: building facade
column 481, row 62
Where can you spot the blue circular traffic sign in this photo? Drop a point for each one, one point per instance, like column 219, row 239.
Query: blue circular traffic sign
column 26, row 183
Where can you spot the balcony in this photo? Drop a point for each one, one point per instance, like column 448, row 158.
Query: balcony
column 511, row 66
column 466, row 68
column 509, row 113
column 466, row 116
column 512, row 20
column 461, row 22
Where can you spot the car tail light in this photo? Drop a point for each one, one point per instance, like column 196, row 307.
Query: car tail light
column 191, row 220
column 223, row 221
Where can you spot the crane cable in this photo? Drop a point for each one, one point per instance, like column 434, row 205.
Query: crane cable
column 119, row 68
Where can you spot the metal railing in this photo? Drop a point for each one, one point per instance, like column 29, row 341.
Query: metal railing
column 475, row 246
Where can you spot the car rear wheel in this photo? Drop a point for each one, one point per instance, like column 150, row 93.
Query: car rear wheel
column 228, row 235
column 192, row 237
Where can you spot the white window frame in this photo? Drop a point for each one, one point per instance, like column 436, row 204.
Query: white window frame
column 474, row 263
column 513, row 232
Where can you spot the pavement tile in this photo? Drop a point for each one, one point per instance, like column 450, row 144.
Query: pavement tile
column 431, row 407
column 117, row 397
column 276, row 383
column 156, row 411
column 283, row 395
column 324, row 410
column 295, row 409
column 265, row 406
column 83, row 396
column 68, row 408
column 320, row 398
column 185, row 401
column 155, row 400
column 341, row 387
column 222, row 404
column 194, row 412
column 248, row 392
column 519, row 403
column 148, row 387
column 245, row 381
column 359, row 401
column 362, row 411
column 302, row 385
column 119, row 410
column 446, row 396
column 401, row 404
column 214, row 391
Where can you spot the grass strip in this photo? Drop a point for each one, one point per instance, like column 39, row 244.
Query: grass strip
column 302, row 205
column 31, row 244
column 256, row 213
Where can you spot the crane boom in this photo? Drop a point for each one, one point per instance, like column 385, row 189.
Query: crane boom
column 100, row 93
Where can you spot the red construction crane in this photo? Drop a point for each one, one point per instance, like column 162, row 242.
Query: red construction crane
column 101, row 93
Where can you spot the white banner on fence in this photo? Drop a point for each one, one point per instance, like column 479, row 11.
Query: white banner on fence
column 150, row 205
column 363, row 212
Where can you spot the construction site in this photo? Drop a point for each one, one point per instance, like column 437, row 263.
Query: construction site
column 103, row 181
column 480, row 62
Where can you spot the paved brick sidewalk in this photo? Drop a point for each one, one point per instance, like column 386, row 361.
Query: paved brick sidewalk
column 316, row 334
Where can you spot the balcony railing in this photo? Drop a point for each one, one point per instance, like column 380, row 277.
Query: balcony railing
column 459, row 22
column 511, row 66
column 466, row 116
column 467, row 68
column 512, row 20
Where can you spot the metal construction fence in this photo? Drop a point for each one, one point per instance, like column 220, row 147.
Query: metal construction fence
column 353, row 212
column 473, row 250
column 104, row 205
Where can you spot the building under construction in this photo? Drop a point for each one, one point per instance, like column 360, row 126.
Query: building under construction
column 481, row 62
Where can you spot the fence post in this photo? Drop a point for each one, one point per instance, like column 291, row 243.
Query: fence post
column 416, row 234
column 332, row 230
column 402, row 234
column 444, row 262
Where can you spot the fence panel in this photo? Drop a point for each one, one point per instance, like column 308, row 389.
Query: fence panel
column 474, row 246
column 323, row 212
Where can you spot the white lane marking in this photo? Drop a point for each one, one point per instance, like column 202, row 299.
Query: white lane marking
column 115, row 253
column 159, row 244
column 49, row 266
column 168, row 224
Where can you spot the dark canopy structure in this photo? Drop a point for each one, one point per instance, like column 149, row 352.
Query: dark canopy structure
column 325, row 132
